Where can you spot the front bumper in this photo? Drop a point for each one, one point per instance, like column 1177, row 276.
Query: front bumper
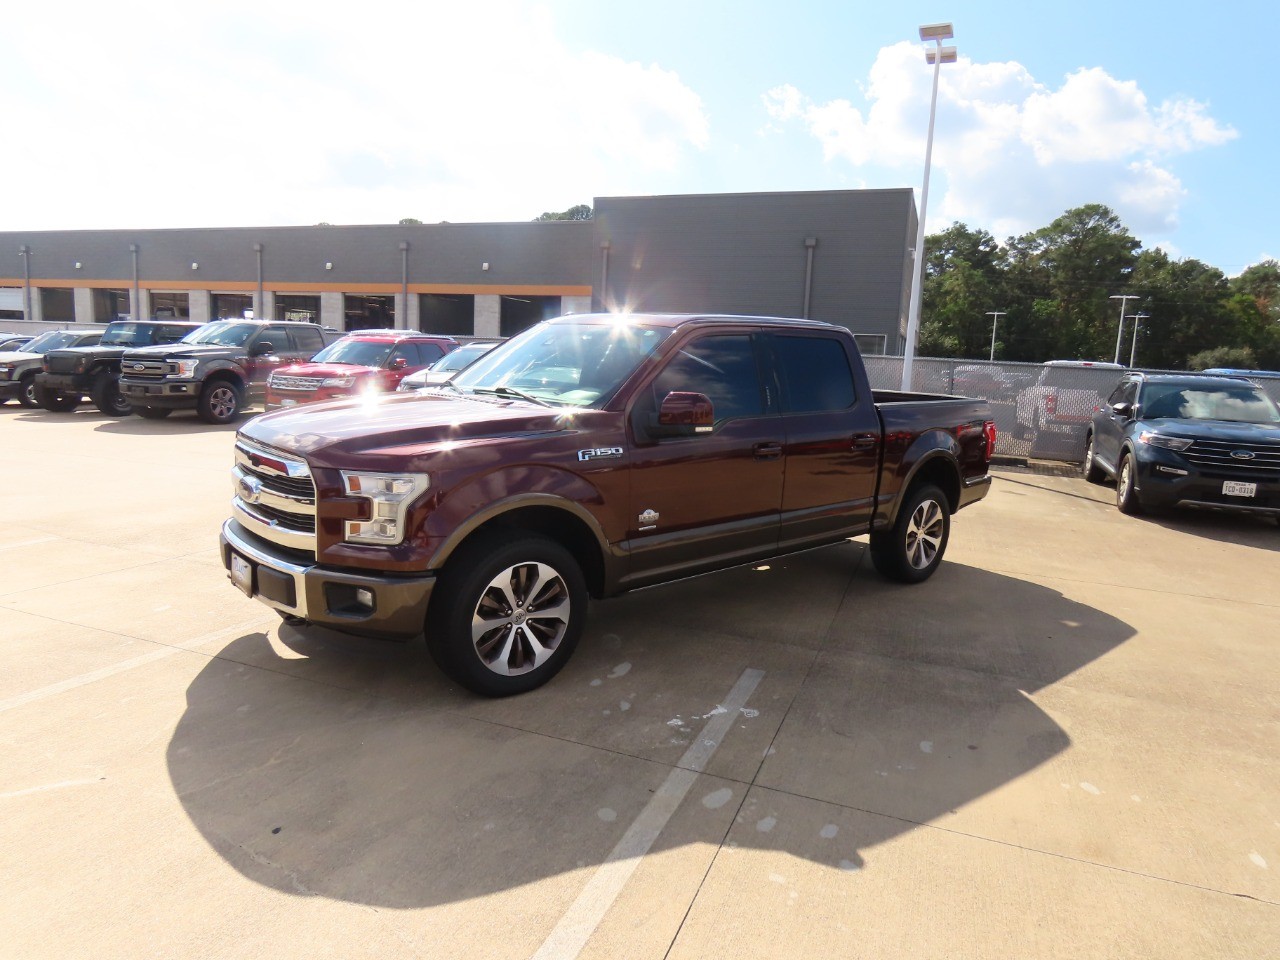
column 325, row 595
column 161, row 393
column 1159, row 486
column 66, row 383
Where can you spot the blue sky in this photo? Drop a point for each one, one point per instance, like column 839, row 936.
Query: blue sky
column 239, row 113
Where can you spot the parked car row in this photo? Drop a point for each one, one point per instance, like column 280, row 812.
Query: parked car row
column 153, row 367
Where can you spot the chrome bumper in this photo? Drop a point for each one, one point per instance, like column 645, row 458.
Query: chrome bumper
column 396, row 607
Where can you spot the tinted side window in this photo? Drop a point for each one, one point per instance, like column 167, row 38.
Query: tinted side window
column 1130, row 393
column 277, row 337
column 428, row 353
column 306, row 340
column 168, row 334
column 815, row 374
column 721, row 367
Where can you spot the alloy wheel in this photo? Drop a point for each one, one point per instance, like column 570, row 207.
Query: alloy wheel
column 924, row 534
column 520, row 619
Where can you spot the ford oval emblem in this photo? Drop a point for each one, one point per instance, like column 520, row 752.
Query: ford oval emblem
column 139, row 366
column 1241, row 454
column 250, row 489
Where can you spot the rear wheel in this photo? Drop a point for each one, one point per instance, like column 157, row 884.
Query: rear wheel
column 506, row 615
column 1090, row 469
column 1127, row 498
column 219, row 402
column 27, row 391
column 107, row 396
column 153, row 413
column 912, row 548
column 57, row 402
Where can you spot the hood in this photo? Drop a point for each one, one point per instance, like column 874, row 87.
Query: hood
column 165, row 351
column 399, row 426
column 17, row 356
column 1228, row 430
column 325, row 370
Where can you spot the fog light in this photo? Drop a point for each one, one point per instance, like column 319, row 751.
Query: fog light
column 364, row 597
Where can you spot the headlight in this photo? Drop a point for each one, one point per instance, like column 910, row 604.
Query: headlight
column 81, row 365
column 186, row 368
column 338, row 381
column 389, row 496
column 1160, row 440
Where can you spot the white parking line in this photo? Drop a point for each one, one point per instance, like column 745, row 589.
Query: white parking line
column 575, row 928
column 62, row 686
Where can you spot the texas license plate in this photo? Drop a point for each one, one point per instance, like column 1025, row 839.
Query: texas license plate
column 242, row 574
column 286, row 402
column 1234, row 488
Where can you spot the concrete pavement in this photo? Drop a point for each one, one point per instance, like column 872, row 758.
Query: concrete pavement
column 1065, row 744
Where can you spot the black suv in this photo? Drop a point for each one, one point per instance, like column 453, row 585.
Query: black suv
column 218, row 369
column 73, row 373
column 1188, row 441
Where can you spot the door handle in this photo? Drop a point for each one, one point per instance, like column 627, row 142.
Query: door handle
column 865, row 441
column 767, row 451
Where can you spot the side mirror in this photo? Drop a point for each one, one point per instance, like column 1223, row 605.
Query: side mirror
column 261, row 350
column 684, row 415
column 1122, row 409
column 399, row 363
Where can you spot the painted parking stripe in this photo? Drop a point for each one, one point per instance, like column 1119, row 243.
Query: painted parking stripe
column 575, row 928
column 62, row 686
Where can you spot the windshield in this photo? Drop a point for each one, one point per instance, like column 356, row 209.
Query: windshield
column 363, row 353
column 1242, row 403
column 125, row 335
column 53, row 340
column 574, row 364
column 222, row 334
column 461, row 357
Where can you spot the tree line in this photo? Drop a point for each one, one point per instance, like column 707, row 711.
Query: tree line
column 1054, row 287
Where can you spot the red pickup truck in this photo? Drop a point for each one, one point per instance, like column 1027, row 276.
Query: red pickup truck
column 589, row 456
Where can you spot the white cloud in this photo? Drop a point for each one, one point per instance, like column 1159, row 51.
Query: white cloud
column 1009, row 152
column 244, row 113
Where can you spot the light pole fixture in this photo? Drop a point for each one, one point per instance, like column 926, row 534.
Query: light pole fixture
column 1137, row 319
column 937, row 32
column 1124, row 299
column 995, row 316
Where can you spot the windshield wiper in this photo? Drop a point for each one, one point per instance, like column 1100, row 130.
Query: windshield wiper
column 511, row 392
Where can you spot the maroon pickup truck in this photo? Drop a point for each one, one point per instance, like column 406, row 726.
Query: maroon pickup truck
column 589, row 456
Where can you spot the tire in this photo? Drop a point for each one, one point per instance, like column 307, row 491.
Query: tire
column 1127, row 498
column 54, row 401
column 153, row 413
column 1090, row 469
column 220, row 402
column 482, row 582
column 911, row 550
column 27, row 391
column 106, row 396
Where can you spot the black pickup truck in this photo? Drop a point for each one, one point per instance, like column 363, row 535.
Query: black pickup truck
column 73, row 373
column 590, row 455
column 219, row 369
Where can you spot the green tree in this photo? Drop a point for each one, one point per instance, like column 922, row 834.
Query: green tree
column 1241, row 358
column 580, row 212
column 963, row 280
column 410, row 221
column 1186, row 303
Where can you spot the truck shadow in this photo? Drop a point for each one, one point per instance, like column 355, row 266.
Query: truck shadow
column 354, row 771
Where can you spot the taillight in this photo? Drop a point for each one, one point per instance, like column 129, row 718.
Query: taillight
column 989, row 431
column 1051, row 404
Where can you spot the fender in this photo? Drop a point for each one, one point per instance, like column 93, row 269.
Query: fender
column 221, row 365
column 927, row 451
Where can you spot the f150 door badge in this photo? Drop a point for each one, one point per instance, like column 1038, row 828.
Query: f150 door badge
column 648, row 520
column 600, row 453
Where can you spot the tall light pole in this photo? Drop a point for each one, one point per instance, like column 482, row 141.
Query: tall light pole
column 937, row 32
column 995, row 316
column 1124, row 299
column 1137, row 319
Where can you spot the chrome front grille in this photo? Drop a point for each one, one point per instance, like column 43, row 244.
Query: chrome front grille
column 1229, row 456
column 275, row 496
column 296, row 383
column 145, row 369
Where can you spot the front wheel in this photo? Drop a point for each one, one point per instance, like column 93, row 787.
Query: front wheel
column 506, row 615
column 1090, row 469
column 27, row 391
column 57, row 402
column 912, row 548
column 219, row 402
column 107, row 397
column 1127, row 498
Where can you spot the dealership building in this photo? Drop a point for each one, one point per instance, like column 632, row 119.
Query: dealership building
column 843, row 256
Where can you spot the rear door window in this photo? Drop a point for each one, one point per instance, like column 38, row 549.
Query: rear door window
column 307, row 340
column 815, row 374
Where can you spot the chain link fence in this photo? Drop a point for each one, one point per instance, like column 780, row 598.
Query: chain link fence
column 1042, row 411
